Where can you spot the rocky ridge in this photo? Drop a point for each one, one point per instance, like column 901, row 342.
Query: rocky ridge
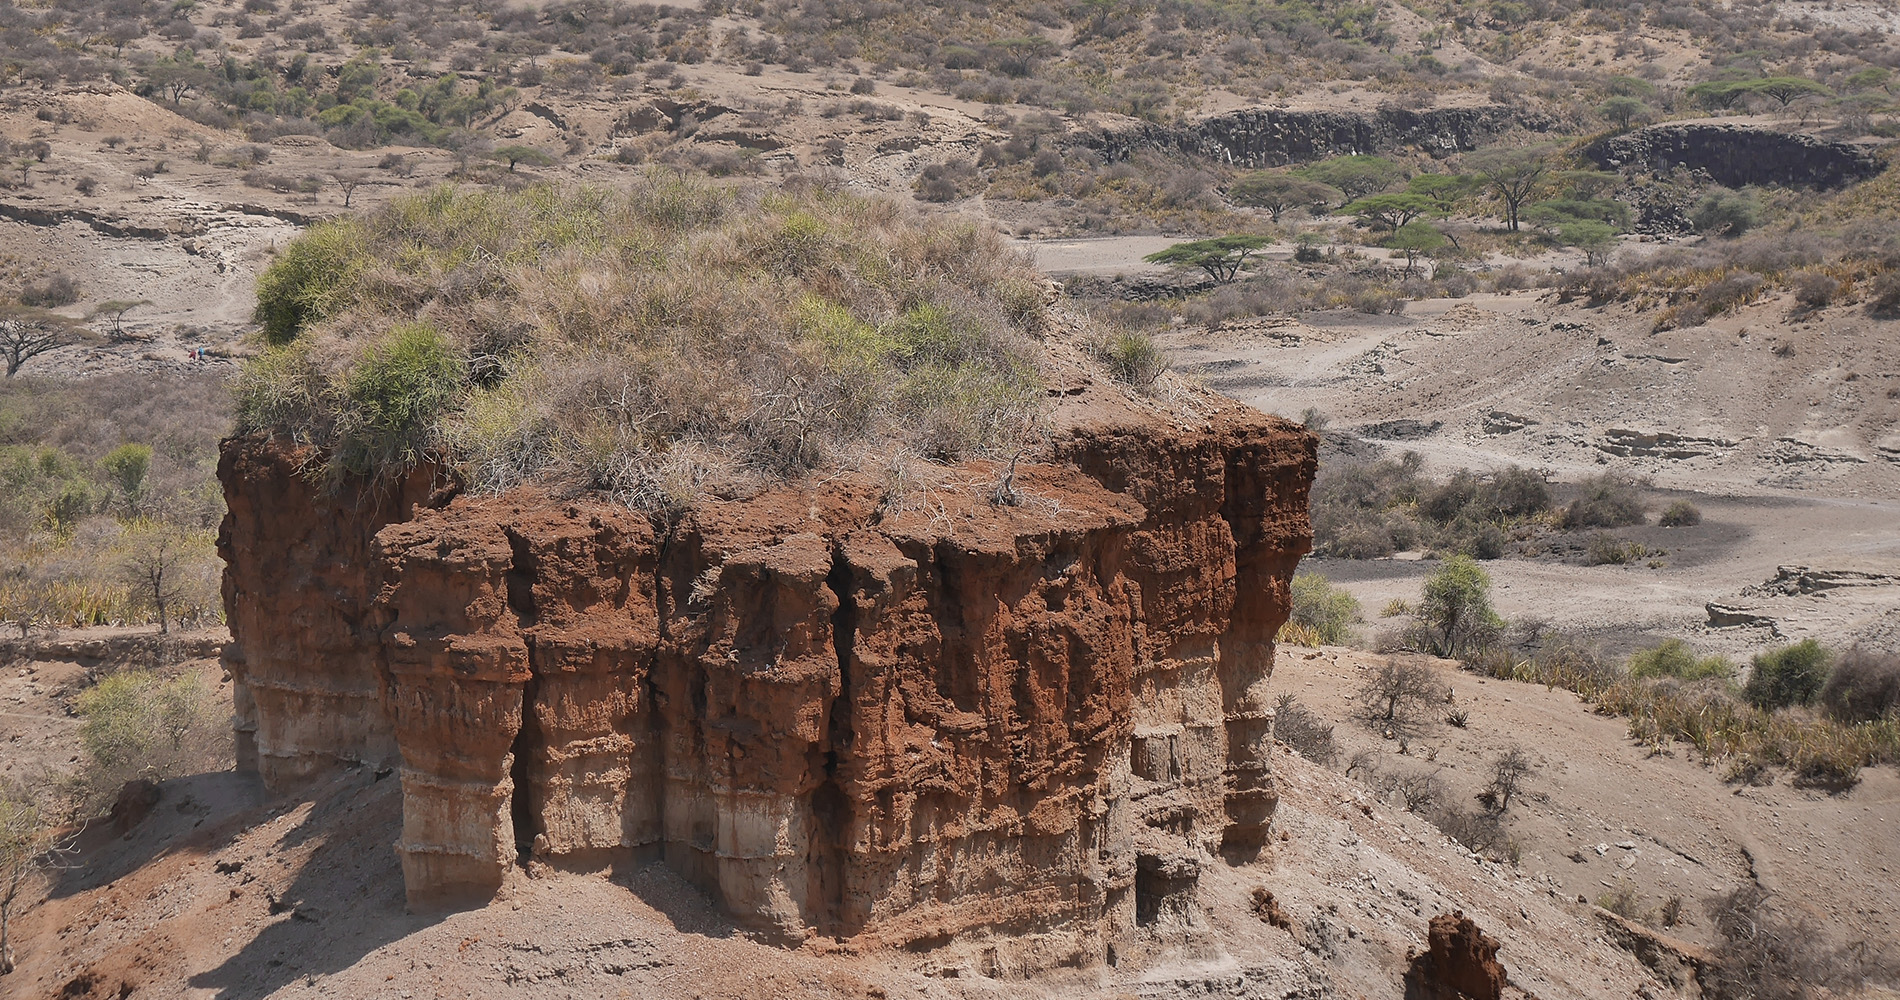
column 1271, row 137
column 1739, row 155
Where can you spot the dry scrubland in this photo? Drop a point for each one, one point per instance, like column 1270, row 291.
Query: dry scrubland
column 1592, row 383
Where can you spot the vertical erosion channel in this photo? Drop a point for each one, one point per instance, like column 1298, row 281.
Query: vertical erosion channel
column 830, row 806
column 520, row 582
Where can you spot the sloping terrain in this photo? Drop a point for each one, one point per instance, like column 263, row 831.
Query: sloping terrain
column 224, row 891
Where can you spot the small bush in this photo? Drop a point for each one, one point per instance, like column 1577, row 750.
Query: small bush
column 1607, row 549
column 1298, row 727
column 392, row 397
column 1864, row 686
column 137, row 724
column 57, row 290
column 1673, row 658
column 1508, row 772
column 1133, row 358
column 1763, row 954
column 1329, row 612
column 1399, row 694
column 1455, row 609
column 1480, row 832
column 1725, row 213
column 1884, row 299
column 1787, row 675
column 1420, row 791
column 1680, row 514
column 1610, row 500
column 1814, row 289
column 1623, row 902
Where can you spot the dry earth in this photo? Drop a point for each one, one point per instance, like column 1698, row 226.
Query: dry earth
column 224, row 891
column 1784, row 428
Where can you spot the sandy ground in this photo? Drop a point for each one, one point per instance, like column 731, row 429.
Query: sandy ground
column 1784, row 432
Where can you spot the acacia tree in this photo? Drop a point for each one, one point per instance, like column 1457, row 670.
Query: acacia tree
column 152, row 564
column 522, row 154
column 348, row 181
column 1514, row 175
column 1392, row 211
column 1414, row 240
column 1596, row 239
column 1221, row 257
column 1785, row 89
column 116, row 309
column 1276, row 192
column 26, row 333
column 1356, row 176
column 1622, row 110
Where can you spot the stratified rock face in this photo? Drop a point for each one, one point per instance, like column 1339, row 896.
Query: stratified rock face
column 838, row 716
column 1272, row 137
column 1737, row 155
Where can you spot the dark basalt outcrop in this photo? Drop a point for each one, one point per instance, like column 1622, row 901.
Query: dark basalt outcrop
column 1271, row 137
column 1737, row 155
column 1030, row 723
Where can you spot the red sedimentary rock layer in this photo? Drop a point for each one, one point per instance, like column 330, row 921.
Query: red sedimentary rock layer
column 903, row 724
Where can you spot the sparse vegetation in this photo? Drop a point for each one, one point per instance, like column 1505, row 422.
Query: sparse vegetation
column 1680, row 514
column 1864, row 687
column 1400, row 695
column 1454, row 610
column 761, row 335
column 1787, row 675
column 1298, row 727
column 1669, row 693
column 81, row 491
column 137, row 724
column 1609, row 500
column 1321, row 612
column 1363, row 510
column 1764, row 953
column 1673, row 658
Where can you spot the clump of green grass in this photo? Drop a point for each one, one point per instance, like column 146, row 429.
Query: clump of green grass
column 1674, row 658
column 1321, row 615
column 674, row 338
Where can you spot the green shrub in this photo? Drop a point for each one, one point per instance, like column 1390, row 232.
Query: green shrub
column 1788, row 675
column 310, row 279
column 392, row 396
column 137, row 724
column 1134, row 358
column 1607, row 549
column 1725, row 213
column 1455, row 609
column 1327, row 610
column 1674, row 658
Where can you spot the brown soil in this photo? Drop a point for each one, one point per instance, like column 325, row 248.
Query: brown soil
column 225, row 891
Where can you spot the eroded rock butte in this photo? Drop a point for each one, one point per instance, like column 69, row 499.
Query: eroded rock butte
column 1027, row 724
